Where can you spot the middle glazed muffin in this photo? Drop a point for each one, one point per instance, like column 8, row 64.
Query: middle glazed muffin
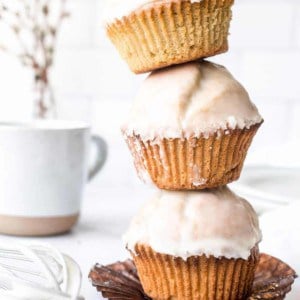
column 190, row 127
column 195, row 245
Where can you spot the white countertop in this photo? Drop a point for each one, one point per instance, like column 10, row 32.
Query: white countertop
column 105, row 216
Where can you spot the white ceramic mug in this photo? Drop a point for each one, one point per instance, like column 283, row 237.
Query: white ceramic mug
column 43, row 171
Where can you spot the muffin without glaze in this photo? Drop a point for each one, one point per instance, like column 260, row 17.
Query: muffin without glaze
column 190, row 127
column 195, row 245
column 151, row 34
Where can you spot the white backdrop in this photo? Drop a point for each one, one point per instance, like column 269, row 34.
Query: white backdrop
column 94, row 84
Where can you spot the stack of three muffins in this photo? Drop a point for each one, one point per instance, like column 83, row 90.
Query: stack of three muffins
column 189, row 131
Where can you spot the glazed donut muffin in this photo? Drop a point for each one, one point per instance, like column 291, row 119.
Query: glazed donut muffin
column 196, row 245
column 151, row 34
column 190, row 127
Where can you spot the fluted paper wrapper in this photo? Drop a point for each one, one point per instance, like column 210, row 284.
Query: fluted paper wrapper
column 171, row 32
column 272, row 281
column 166, row 277
column 193, row 163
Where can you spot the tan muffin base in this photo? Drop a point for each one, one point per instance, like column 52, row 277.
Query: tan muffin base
column 165, row 277
column 172, row 32
column 194, row 163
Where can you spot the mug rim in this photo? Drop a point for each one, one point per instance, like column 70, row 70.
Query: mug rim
column 46, row 125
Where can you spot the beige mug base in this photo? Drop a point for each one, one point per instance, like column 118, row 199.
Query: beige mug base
column 36, row 226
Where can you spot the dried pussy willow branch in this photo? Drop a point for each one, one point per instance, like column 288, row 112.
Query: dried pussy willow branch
column 35, row 25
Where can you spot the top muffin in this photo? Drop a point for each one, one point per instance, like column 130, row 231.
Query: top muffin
column 153, row 34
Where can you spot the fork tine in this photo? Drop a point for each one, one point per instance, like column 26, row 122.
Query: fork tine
column 15, row 257
column 38, row 266
column 21, row 270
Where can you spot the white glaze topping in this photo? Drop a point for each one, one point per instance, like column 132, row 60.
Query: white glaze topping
column 192, row 99
column 212, row 222
column 116, row 9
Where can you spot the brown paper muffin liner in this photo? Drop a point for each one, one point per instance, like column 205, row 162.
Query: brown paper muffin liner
column 171, row 32
column 167, row 277
column 192, row 163
column 272, row 281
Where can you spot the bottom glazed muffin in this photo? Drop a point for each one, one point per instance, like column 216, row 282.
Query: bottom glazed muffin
column 196, row 245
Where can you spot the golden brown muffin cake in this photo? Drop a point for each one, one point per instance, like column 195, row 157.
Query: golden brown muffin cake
column 156, row 34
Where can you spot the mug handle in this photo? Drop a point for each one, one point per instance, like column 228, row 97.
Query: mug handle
column 101, row 156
